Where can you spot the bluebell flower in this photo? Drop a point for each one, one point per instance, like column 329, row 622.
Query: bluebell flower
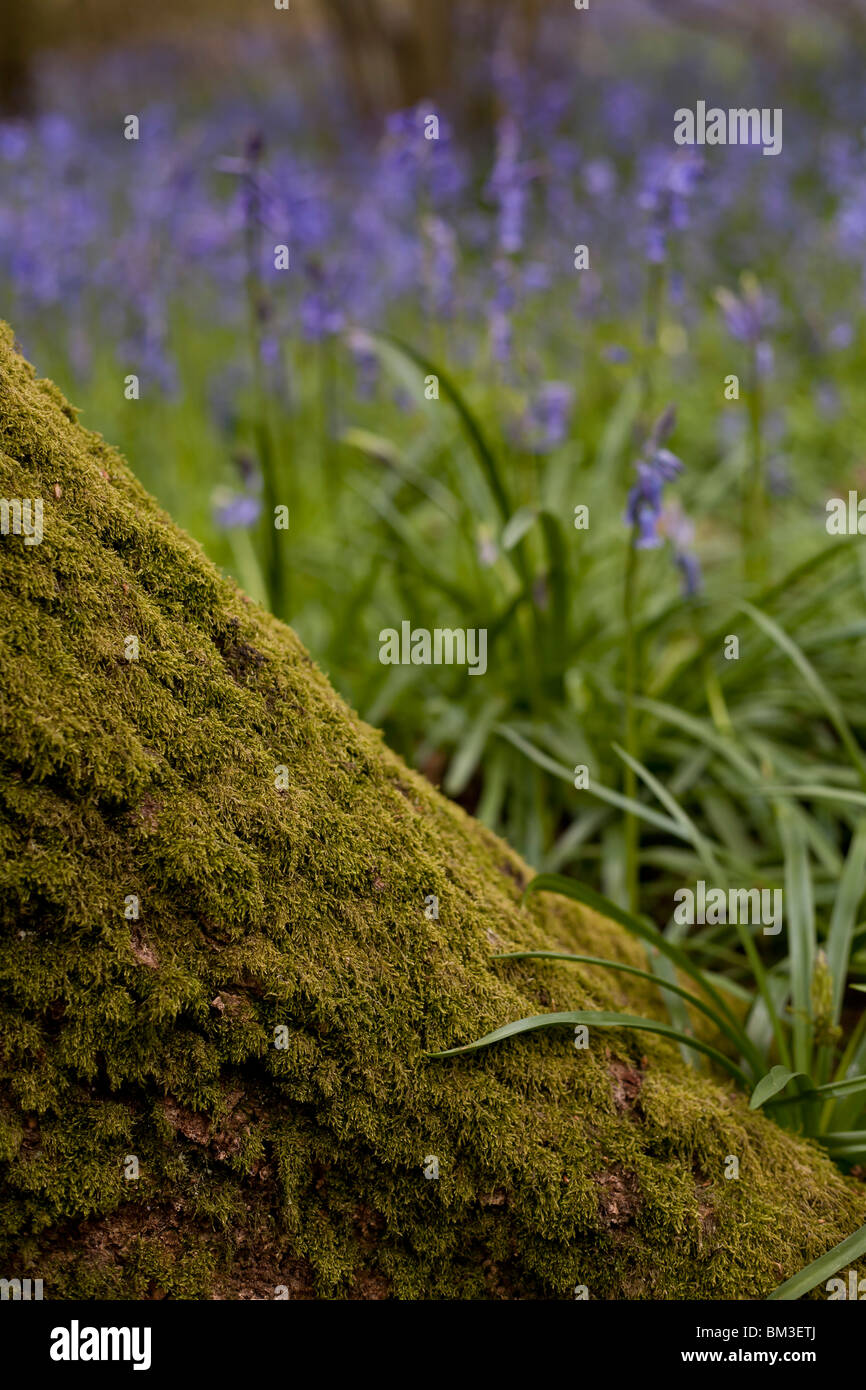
column 441, row 265
column 669, row 181
column 599, row 178
column 749, row 315
column 366, row 360
column 236, row 509
column 545, row 424
column 676, row 527
column 779, row 480
column 841, row 335
column 507, row 185
column 321, row 317
column 657, row 466
column 500, row 336
column 689, row 566
column 536, row 276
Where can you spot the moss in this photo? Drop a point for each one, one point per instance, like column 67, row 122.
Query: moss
column 303, row 909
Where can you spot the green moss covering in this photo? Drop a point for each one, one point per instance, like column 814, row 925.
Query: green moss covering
column 303, row 1165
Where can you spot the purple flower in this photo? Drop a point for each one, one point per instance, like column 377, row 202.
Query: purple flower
column 668, row 183
column 644, row 506
column 748, row 315
column 841, row 335
column 320, row 315
column 507, row 186
column 658, row 466
column 689, row 565
column 536, row 276
column 680, row 531
column 441, row 265
column 366, row 362
column 236, row 509
column 500, row 336
column 545, row 424
column 779, row 480
column 599, row 177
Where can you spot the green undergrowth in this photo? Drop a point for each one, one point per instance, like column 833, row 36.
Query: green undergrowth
column 305, row 908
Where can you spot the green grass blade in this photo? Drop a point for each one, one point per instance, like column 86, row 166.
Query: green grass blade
column 702, row 733
column 852, row 1085
column 471, row 747
column 713, row 641
column 483, row 452
column 823, row 1268
column 688, row 827
column 597, row 1019
column 800, row 914
column 611, row 798
column 843, row 919
column 831, row 705
column 578, row 892
column 770, row 1085
column 733, row 1036
column 808, row 790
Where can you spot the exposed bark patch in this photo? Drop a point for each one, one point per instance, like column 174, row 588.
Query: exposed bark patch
column 233, row 1005
column 240, row 657
column 497, row 1281
column 142, row 949
column 619, row 1202
column 513, row 872
column 706, row 1208
column 369, row 1225
column 258, row 1278
column 192, row 1126
column 146, row 814
column 497, row 1198
column 224, row 1142
column 627, row 1082
column 371, row 1285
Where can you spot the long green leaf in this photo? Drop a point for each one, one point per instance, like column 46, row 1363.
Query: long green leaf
column 597, row 1019
column 605, row 794
column 471, row 747
column 690, row 830
column 814, row 682
column 483, row 451
column 578, row 892
column 776, row 1080
column 823, row 1268
column 843, row 920
column 852, row 1085
column 800, row 914
column 734, row 1036
column 713, row 641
